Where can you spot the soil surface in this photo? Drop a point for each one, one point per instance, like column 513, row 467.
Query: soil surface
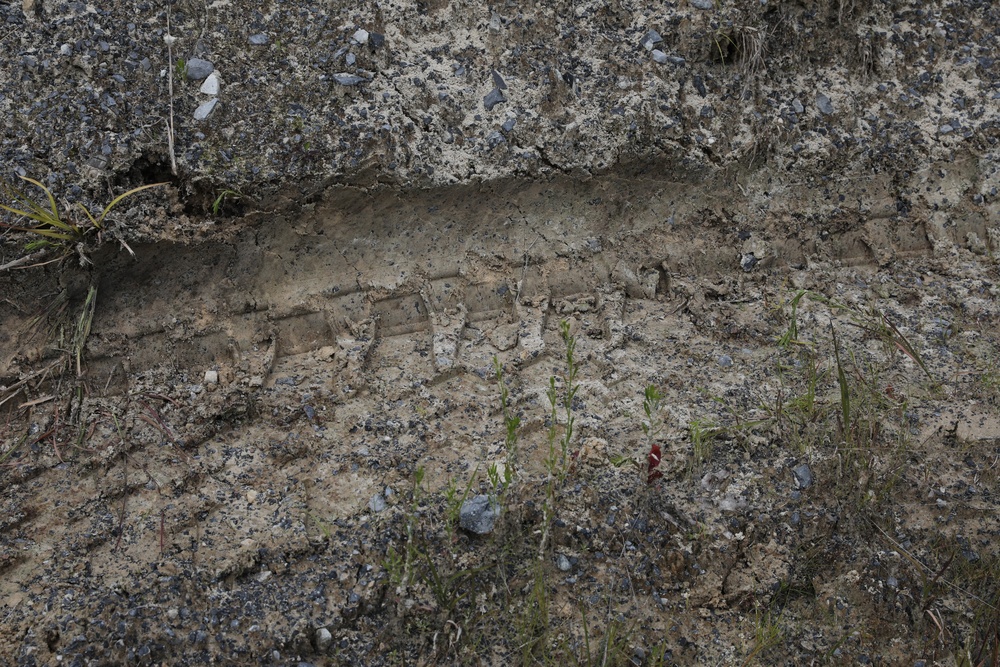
column 237, row 425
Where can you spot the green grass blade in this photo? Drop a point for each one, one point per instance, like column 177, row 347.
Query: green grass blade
column 48, row 193
column 114, row 202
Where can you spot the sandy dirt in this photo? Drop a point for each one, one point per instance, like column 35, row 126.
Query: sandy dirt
column 242, row 433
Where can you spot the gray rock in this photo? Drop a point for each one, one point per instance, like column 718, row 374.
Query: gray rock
column 725, row 361
column 946, row 129
column 350, row 59
column 676, row 60
column 376, row 39
column 361, row 36
column 211, row 85
column 345, row 79
column 748, row 261
column 478, row 514
column 563, row 563
column 205, row 109
column 797, row 106
column 494, row 98
column 660, row 57
column 824, row 104
column 498, row 81
column 260, row 39
column 494, row 139
column 198, row 69
column 650, row 39
column 803, row 476
column 323, row 639
column 703, row 4
column 377, row 503
column 508, row 124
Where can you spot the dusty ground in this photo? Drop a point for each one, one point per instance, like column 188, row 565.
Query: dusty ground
column 229, row 476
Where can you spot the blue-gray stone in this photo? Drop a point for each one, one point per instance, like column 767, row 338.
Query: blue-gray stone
column 377, row 503
column 479, row 514
column 260, row 39
column 345, row 79
column 824, row 104
column 494, row 139
column 650, row 39
column 205, row 109
column 198, row 69
column 494, row 98
column 660, row 57
column 748, row 261
column 703, row 4
column 797, row 106
column 509, row 124
column 725, row 361
column 803, row 476
column 498, row 81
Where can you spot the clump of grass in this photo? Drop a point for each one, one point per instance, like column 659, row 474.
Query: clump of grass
column 52, row 229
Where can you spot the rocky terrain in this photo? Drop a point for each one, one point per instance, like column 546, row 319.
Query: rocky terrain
column 700, row 297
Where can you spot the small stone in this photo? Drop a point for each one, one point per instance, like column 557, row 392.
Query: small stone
column 703, row 4
column 323, row 639
column 748, row 261
column 725, row 361
column 211, row 85
column 660, row 57
column 260, row 39
column 350, row 59
column 205, row 109
column 797, row 106
column 563, row 563
column 494, row 139
column 377, row 503
column 252, row 495
column 946, row 129
column 494, row 98
column 508, row 124
column 346, row 79
column 803, row 476
column 892, row 582
column 498, row 81
column 66, row 49
column 478, row 514
column 824, row 104
column 211, row 377
column 263, row 576
column 361, row 36
column 198, row 69
column 650, row 39
column 376, row 39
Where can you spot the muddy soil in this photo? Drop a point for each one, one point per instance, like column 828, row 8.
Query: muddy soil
column 242, row 433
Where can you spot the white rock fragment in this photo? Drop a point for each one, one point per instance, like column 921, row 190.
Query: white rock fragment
column 211, row 377
column 361, row 36
column 205, row 109
column 211, row 84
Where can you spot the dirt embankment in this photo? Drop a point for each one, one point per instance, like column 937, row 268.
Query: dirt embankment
column 780, row 215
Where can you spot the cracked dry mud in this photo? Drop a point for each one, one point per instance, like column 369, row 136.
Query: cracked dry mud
column 153, row 515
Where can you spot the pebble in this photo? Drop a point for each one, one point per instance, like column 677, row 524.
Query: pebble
column 376, row 39
column 346, row 79
column 211, row 377
column 198, row 69
column 824, row 104
column 803, row 476
column 498, row 81
column 211, row 84
column 260, row 39
column 797, row 106
column 323, row 639
column 478, row 514
column 660, row 57
column 205, row 109
column 377, row 503
column 494, row 98
column 725, row 361
column 748, row 261
column 650, row 39
column 563, row 563
column 703, row 4
column 350, row 59
column 508, row 124
column 494, row 139
column 361, row 36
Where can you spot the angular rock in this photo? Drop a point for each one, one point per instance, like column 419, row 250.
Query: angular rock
column 650, row 39
column 703, row 4
column 803, row 476
column 824, row 104
column 479, row 514
column 660, row 57
column 205, row 109
column 260, row 39
column 494, row 98
column 198, row 69
column 211, row 85
column 498, row 81
column 361, row 36
column 345, row 79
